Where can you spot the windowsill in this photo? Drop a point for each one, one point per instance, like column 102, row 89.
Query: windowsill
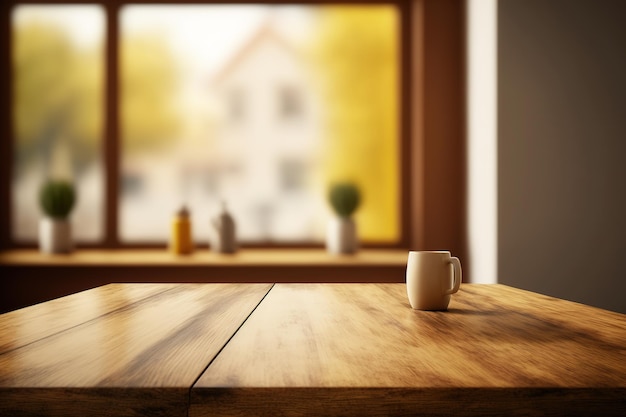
column 204, row 257
column 30, row 277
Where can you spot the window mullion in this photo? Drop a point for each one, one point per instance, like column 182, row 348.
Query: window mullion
column 111, row 134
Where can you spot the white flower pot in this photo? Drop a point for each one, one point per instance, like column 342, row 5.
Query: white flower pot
column 55, row 236
column 341, row 236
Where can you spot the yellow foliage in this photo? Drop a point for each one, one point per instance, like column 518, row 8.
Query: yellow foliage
column 57, row 93
column 357, row 54
column 148, row 86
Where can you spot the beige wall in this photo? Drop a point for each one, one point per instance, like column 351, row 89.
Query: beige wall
column 562, row 148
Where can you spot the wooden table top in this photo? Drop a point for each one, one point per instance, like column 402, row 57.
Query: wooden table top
column 356, row 349
column 310, row 349
column 123, row 349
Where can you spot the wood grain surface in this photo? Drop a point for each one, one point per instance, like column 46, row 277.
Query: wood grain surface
column 24, row 326
column 357, row 349
column 139, row 359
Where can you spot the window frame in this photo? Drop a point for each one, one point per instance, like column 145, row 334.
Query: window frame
column 428, row 29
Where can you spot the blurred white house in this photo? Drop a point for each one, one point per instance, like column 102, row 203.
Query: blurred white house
column 266, row 156
column 252, row 139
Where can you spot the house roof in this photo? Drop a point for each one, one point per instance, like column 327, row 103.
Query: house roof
column 265, row 32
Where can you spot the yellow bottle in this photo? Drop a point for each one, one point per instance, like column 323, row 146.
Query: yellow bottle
column 181, row 242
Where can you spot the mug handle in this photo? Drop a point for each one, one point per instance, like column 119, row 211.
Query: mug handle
column 458, row 275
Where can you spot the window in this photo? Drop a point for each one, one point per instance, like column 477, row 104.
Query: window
column 198, row 93
column 57, row 106
column 293, row 176
column 236, row 106
column 289, row 103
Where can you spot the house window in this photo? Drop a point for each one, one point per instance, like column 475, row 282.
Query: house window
column 236, row 106
column 293, row 176
column 289, row 103
column 187, row 74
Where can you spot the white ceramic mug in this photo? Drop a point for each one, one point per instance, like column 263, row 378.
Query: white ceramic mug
column 431, row 277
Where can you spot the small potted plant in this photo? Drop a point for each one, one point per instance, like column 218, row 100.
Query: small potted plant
column 341, row 236
column 57, row 198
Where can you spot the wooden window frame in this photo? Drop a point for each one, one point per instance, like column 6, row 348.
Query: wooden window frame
column 432, row 124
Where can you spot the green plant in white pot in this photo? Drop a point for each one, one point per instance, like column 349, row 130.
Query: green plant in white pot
column 57, row 198
column 341, row 235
